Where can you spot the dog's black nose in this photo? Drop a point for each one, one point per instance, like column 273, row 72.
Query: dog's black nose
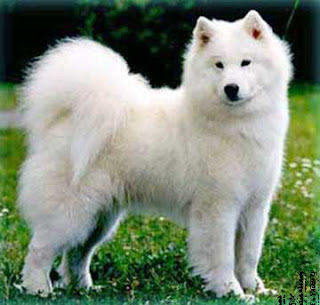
column 232, row 91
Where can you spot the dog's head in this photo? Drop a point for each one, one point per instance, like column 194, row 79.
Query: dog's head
column 232, row 65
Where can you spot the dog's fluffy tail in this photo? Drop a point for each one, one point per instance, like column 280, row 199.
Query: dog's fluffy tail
column 84, row 85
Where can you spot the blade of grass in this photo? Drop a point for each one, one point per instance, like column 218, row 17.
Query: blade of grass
column 293, row 11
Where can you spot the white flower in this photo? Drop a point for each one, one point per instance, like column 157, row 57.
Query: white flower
column 308, row 181
column 298, row 182
column 305, row 160
column 317, row 171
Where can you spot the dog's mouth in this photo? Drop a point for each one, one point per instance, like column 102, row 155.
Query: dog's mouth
column 236, row 102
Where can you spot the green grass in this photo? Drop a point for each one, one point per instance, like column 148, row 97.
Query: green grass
column 147, row 259
column 8, row 98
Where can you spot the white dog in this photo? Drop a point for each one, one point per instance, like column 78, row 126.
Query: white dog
column 208, row 154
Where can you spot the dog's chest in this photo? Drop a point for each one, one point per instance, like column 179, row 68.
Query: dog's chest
column 169, row 169
column 242, row 162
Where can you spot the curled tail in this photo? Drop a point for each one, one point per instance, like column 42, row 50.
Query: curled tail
column 84, row 84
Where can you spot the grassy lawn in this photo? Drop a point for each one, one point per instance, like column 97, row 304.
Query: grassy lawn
column 146, row 263
column 7, row 96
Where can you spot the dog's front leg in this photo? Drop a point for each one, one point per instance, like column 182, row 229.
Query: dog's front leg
column 249, row 245
column 212, row 230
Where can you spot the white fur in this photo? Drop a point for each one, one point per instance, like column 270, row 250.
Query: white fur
column 103, row 142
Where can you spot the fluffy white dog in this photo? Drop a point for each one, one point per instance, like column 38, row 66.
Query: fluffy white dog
column 208, row 154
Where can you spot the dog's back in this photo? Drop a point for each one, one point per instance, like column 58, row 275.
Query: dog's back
column 77, row 91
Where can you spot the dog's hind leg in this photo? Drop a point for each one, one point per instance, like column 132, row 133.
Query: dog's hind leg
column 35, row 274
column 54, row 231
column 75, row 264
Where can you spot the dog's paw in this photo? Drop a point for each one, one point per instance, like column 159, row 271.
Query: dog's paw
column 249, row 299
column 37, row 291
column 254, row 284
column 267, row 292
column 226, row 287
column 36, row 286
column 261, row 290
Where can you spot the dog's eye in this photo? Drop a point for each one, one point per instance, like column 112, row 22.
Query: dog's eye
column 219, row 65
column 245, row 63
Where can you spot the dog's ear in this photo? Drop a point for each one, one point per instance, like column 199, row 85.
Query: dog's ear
column 255, row 26
column 203, row 31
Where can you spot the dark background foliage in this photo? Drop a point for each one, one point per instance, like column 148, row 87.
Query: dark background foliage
column 151, row 35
